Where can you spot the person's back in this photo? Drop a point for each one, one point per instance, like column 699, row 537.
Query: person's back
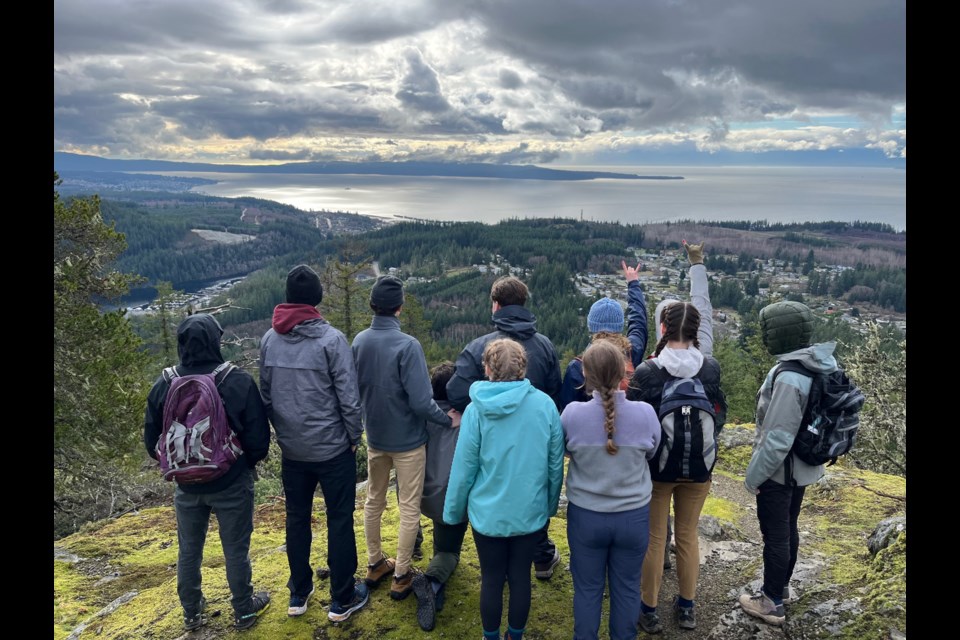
column 512, row 320
column 231, row 495
column 309, row 385
column 609, row 440
column 396, row 398
column 507, row 471
column 775, row 474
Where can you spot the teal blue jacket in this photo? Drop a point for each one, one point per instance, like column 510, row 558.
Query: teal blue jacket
column 508, row 465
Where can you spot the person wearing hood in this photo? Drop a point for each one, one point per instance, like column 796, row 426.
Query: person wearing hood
column 678, row 354
column 230, row 496
column 513, row 320
column 397, row 402
column 309, row 384
column 506, row 476
column 775, row 474
column 605, row 322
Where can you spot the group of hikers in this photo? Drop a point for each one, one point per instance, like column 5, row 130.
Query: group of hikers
column 483, row 441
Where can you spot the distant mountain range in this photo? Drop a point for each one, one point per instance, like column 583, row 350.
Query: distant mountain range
column 72, row 162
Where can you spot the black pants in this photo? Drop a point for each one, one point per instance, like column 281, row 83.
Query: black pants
column 505, row 559
column 545, row 547
column 337, row 478
column 778, row 508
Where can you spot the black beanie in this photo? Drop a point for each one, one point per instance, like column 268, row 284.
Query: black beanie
column 303, row 286
column 387, row 293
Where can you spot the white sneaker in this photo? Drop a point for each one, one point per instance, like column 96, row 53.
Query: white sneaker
column 298, row 604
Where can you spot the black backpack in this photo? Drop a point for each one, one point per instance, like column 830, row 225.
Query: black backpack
column 688, row 431
column 831, row 418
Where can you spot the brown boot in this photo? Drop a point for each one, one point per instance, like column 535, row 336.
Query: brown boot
column 403, row 585
column 377, row 572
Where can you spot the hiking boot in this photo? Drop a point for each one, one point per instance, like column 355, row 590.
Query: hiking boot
column 340, row 612
column 323, row 572
column 426, row 602
column 195, row 622
column 298, row 604
column 686, row 618
column 377, row 572
column 417, row 553
column 650, row 622
column 544, row 570
column 403, row 585
column 258, row 604
column 760, row 606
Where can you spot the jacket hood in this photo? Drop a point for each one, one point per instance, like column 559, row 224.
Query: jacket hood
column 516, row 320
column 818, row 357
column 288, row 315
column 681, row 363
column 198, row 340
column 499, row 399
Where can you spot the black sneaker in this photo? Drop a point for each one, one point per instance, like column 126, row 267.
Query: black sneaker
column 417, row 553
column 544, row 570
column 426, row 602
column 686, row 617
column 650, row 622
column 340, row 612
column 258, row 604
column 195, row 622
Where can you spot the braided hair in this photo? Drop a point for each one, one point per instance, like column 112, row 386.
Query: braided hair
column 603, row 369
column 680, row 323
column 507, row 360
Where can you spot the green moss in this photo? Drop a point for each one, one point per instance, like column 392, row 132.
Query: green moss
column 732, row 462
column 723, row 510
column 70, row 607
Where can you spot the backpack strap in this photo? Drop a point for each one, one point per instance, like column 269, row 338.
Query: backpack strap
column 222, row 371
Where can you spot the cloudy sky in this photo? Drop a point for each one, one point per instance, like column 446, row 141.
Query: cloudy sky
column 528, row 81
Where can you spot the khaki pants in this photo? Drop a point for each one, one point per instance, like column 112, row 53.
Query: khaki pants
column 688, row 499
column 409, row 466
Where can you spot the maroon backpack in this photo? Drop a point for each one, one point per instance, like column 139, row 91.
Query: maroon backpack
column 196, row 442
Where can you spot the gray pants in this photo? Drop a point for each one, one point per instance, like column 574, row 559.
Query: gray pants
column 233, row 507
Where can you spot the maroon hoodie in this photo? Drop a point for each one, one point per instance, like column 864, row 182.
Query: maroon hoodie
column 287, row 316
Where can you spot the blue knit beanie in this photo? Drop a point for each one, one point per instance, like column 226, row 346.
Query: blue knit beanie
column 605, row 315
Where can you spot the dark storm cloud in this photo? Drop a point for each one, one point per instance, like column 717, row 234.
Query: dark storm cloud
column 510, row 79
column 420, row 87
column 279, row 154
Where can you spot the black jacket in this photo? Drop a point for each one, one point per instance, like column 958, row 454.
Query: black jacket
column 647, row 384
column 516, row 322
column 198, row 344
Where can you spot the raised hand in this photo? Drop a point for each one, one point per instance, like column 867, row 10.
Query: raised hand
column 630, row 273
column 694, row 252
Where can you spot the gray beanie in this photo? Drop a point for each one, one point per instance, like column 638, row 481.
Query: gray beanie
column 786, row 326
column 387, row 292
column 605, row 315
column 303, row 286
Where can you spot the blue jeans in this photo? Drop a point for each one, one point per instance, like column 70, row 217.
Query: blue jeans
column 233, row 507
column 337, row 478
column 606, row 546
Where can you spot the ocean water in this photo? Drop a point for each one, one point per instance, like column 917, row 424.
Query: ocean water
column 775, row 194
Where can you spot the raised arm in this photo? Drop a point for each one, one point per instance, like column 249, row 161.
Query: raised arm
column 700, row 296
column 636, row 314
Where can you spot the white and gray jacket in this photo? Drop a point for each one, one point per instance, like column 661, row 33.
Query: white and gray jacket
column 780, row 409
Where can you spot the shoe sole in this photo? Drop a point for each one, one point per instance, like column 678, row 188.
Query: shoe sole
column 426, row 604
column 546, row 574
column 340, row 617
column 194, row 627
column 252, row 620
